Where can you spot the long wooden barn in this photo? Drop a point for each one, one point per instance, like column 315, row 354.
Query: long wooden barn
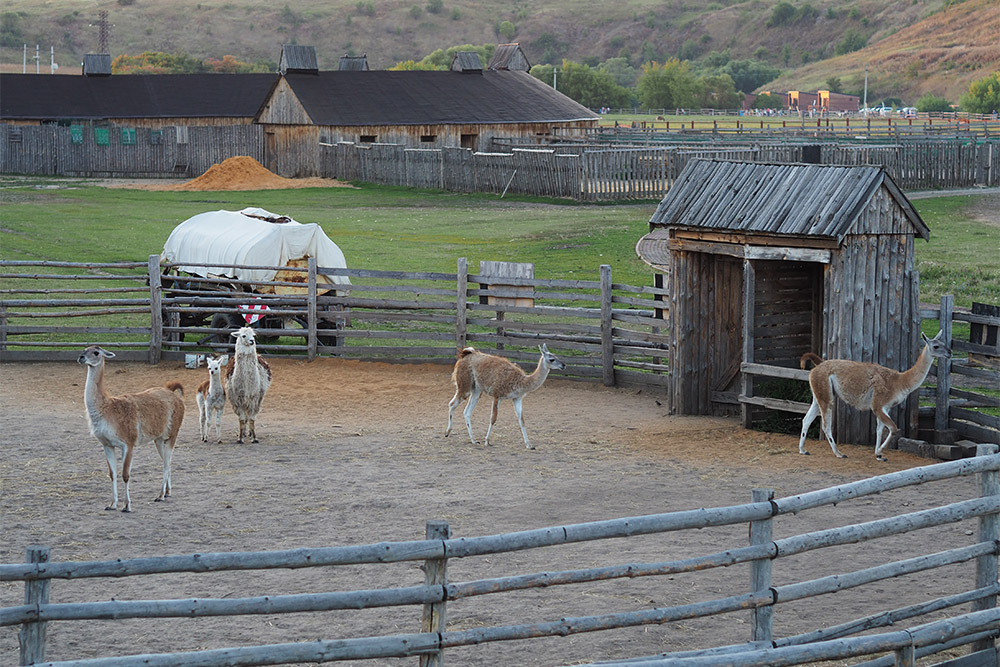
column 465, row 107
column 765, row 262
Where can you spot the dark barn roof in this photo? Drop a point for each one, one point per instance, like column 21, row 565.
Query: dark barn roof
column 47, row 97
column 431, row 98
column 798, row 199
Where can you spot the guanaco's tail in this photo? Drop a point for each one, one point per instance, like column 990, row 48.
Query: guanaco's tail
column 809, row 356
column 176, row 386
column 466, row 351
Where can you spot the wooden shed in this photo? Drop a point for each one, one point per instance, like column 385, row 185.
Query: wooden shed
column 765, row 262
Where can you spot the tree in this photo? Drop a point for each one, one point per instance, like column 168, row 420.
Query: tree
column 435, row 6
column 507, row 30
column 590, row 87
column 852, row 41
column 620, row 70
column 983, row 95
column 718, row 92
column 768, row 101
column 782, row 13
column 666, row 86
column 157, row 62
column 11, row 30
column 833, row 84
column 230, row 65
column 749, row 74
column 931, row 102
column 440, row 59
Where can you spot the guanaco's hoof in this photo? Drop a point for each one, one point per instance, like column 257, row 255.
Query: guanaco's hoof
column 126, row 511
column 804, row 453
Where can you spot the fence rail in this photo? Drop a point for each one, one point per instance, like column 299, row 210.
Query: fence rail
column 764, row 599
column 604, row 331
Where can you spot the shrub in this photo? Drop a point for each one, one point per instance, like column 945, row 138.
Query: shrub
column 931, row 102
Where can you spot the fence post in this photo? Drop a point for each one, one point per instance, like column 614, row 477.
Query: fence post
column 989, row 531
column 607, row 339
column 941, row 411
column 435, row 574
column 461, row 314
column 760, row 571
column 36, row 592
column 311, row 310
column 156, row 310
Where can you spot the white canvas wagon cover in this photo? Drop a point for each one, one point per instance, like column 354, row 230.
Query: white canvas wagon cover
column 252, row 237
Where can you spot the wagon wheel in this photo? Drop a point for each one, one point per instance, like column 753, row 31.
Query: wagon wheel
column 218, row 341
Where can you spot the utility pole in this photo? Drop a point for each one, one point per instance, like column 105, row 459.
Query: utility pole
column 866, row 90
column 555, row 71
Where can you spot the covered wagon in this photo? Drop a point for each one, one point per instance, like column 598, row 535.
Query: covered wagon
column 212, row 259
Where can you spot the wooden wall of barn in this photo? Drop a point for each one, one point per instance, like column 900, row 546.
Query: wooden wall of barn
column 123, row 151
column 706, row 315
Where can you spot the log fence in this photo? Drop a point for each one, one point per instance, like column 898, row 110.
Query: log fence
column 604, row 331
column 440, row 598
column 642, row 170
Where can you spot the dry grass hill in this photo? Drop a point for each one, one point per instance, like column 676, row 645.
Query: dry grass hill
column 913, row 46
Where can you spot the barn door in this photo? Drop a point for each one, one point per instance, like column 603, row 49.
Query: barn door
column 726, row 335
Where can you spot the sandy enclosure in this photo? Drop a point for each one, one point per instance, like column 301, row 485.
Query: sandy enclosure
column 354, row 453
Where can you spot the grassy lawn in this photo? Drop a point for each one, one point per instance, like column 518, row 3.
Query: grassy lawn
column 377, row 227
column 381, row 227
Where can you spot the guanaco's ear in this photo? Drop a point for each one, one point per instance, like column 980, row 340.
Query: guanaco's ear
column 924, row 337
column 235, row 334
column 105, row 353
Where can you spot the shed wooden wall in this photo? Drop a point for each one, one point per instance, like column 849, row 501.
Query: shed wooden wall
column 705, row 315
column 872, row 315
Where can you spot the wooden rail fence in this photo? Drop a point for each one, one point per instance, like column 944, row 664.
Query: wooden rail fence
column 604, row 331
column 439, row 597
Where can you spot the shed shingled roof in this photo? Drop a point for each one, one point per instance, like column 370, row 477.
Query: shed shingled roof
column 298, row 58
column 46, row 97
column 384, row 97
column 509, row 57
column 794, row 199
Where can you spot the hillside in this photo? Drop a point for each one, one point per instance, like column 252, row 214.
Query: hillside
column 914, row 46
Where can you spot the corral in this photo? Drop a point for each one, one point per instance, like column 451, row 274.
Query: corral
column 366, row 461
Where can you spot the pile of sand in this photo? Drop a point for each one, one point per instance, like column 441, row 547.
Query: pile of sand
column 245, row 173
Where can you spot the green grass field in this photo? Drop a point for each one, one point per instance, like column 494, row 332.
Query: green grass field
column 381, row 227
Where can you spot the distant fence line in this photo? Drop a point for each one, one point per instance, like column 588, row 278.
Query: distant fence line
column 439, row 597
column 612, row 165
column 589, row 172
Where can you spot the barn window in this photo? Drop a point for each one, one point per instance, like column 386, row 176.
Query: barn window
column 367, row 138
column 128, row 136
column 428, row 138
column 469, row 141
column 16, row 135
column 156, row 137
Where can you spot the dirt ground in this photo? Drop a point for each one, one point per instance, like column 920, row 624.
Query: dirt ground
column 354, row 453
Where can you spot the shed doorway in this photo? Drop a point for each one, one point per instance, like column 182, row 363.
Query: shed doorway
column 787, row 321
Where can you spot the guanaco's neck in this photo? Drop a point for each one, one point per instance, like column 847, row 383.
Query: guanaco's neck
column 94, row 392
column 914, row 377
column 538, row 376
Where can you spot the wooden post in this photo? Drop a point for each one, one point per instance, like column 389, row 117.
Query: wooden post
column 36, row 593
column 989, row 531
column 749, row 306
column 760, row 571
column 435, row 574
column 461, row 313
column 155, row 310
column 941, row 415
column 311, row 310
column 607, row 333
column 905, row 657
